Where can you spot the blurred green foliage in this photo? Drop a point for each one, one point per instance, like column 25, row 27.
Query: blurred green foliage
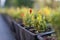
column 19, row 3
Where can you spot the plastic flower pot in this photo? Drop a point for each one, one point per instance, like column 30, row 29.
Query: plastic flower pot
column 24, row 34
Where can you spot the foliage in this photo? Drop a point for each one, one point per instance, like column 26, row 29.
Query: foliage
column 31, row 17
column 37, row 19
column 19, row 3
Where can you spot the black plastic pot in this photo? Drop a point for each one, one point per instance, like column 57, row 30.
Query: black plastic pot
column 24, row 34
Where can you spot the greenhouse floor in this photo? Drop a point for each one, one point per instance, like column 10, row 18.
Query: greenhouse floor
column 5, row 32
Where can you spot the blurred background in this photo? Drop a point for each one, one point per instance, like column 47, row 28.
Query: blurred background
column 30, row 3
column 35, row 4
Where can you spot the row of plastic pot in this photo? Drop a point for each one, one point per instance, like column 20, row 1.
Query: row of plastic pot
column 23, row 33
